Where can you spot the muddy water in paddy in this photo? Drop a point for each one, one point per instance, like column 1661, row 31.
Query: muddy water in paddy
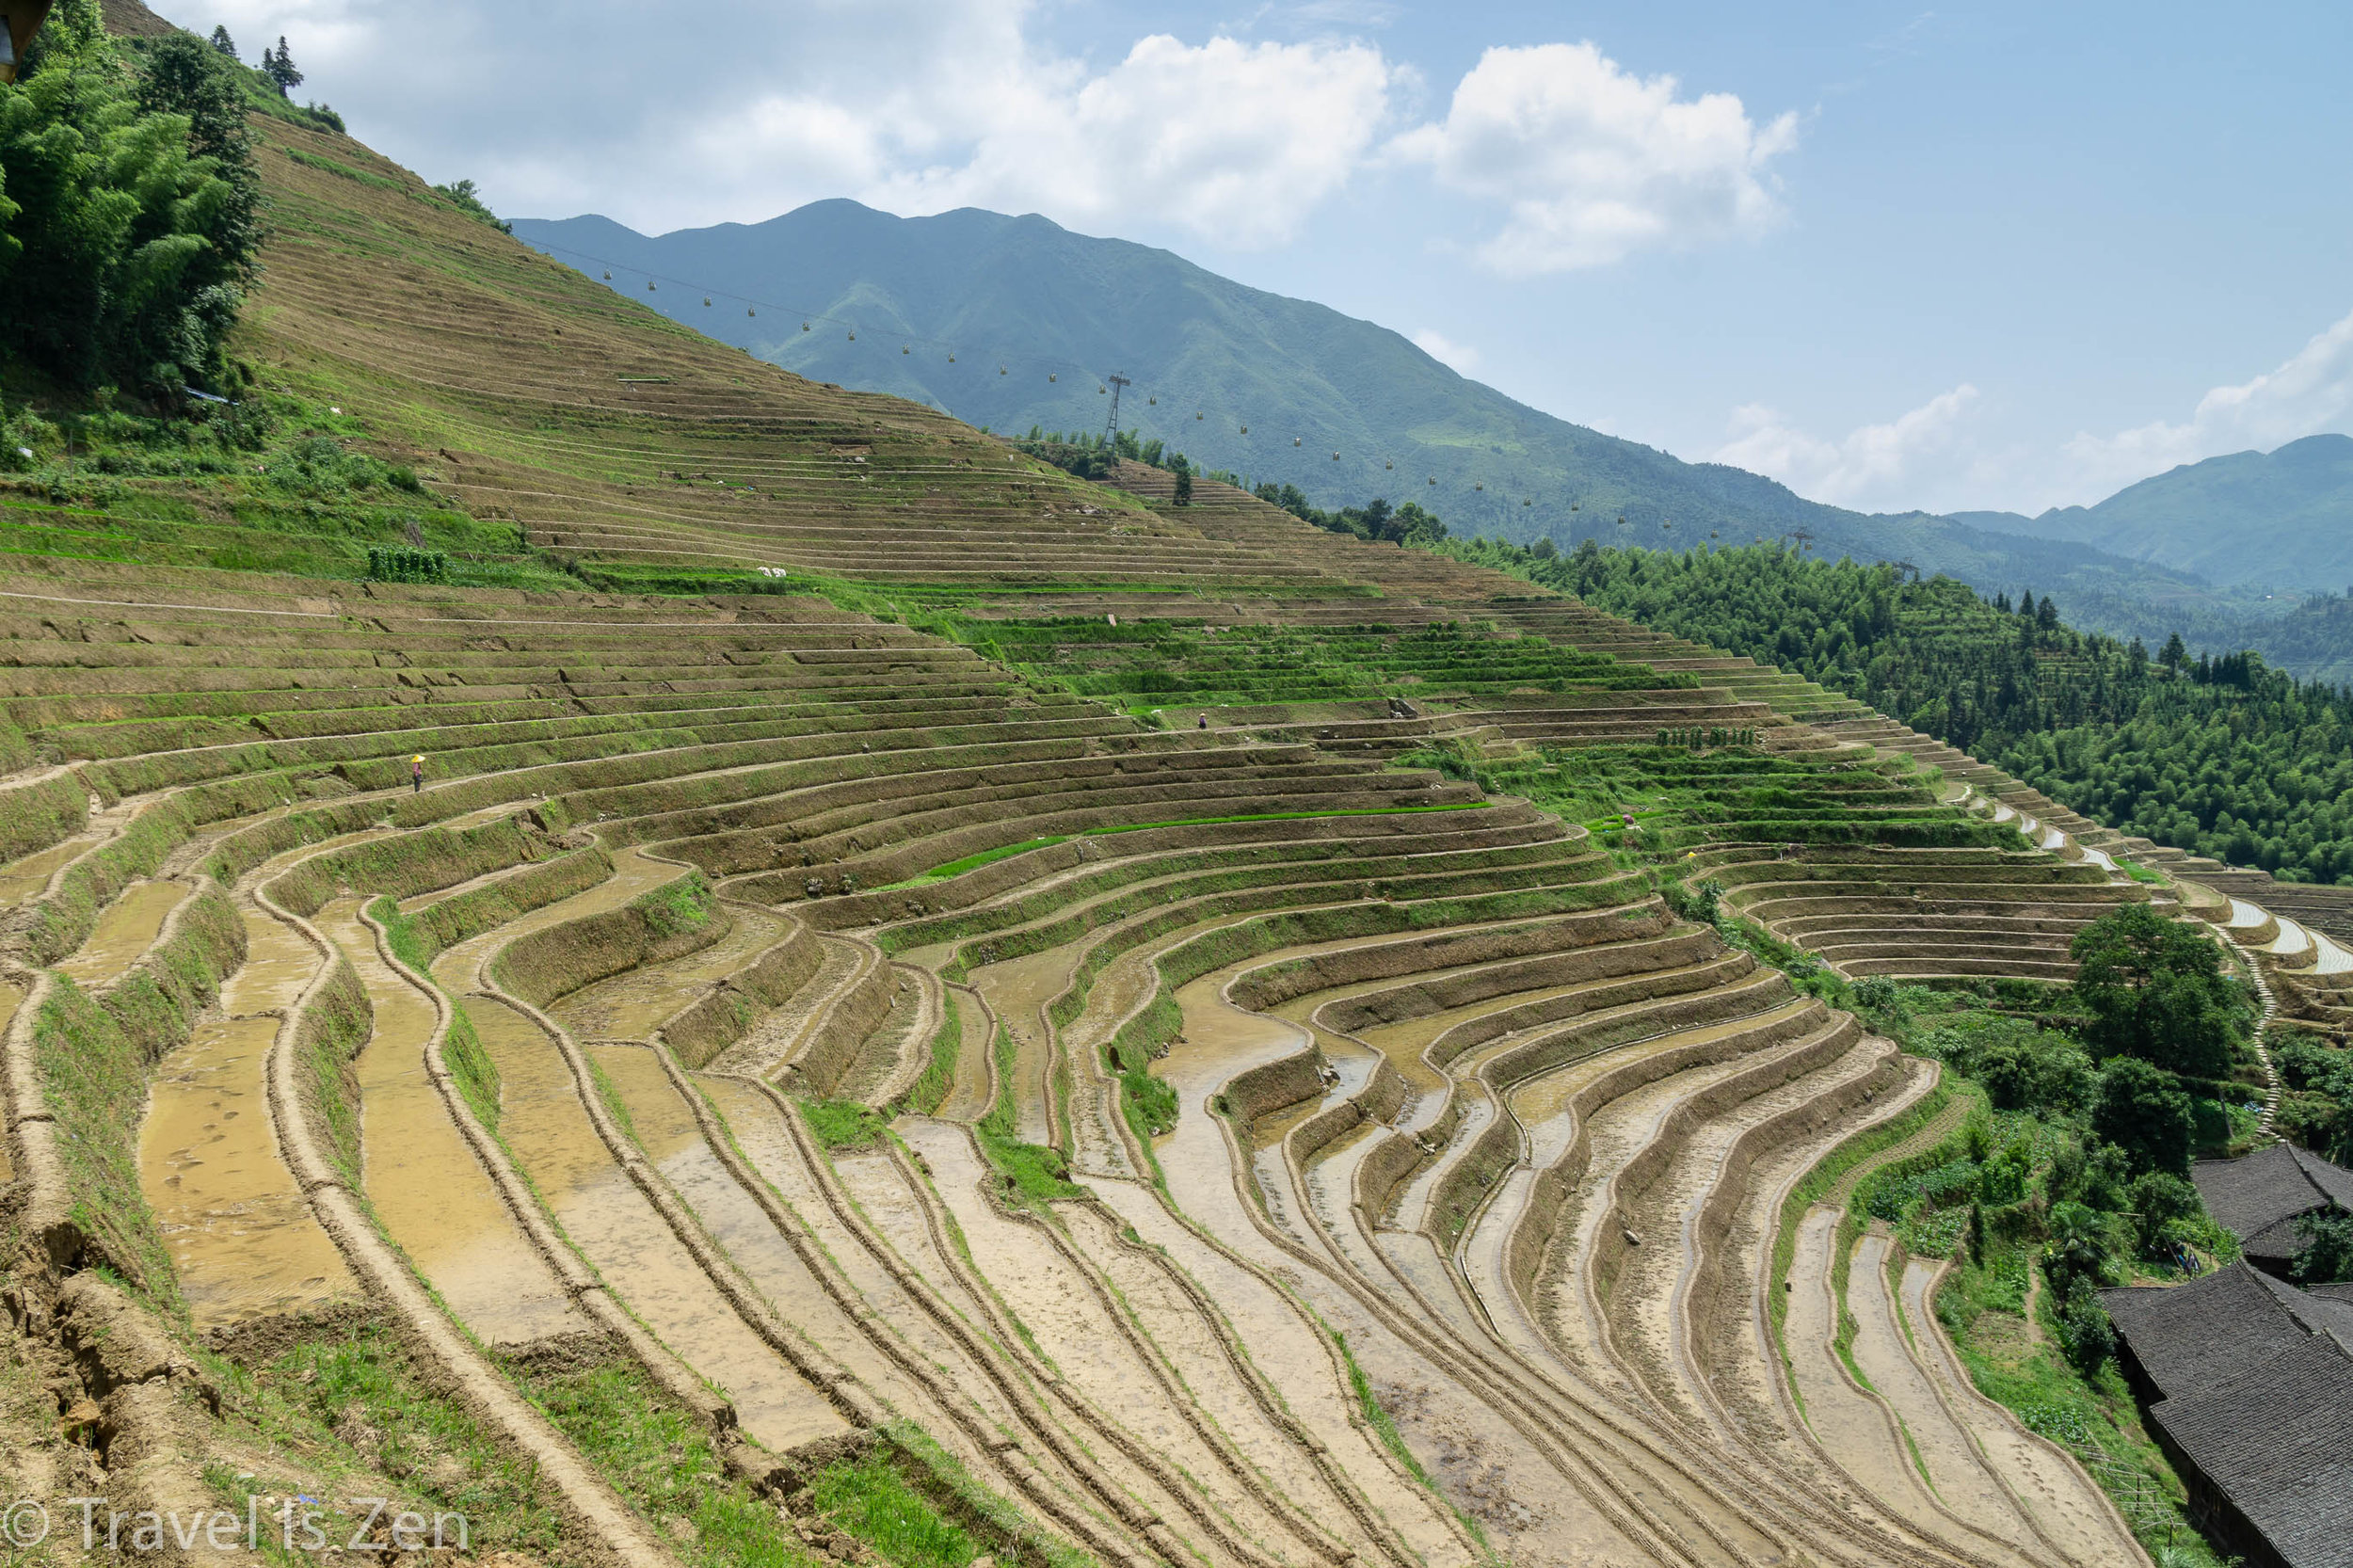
column 242, row 1238
column 1955, row 1469
column 1018, row 990
column 1730, row 1334
column 1648, row 1305
column 1197, row 1348
column 421, row 1178
column 2056, row 1495
column 1074, row 1329
column 125, row 930
column 1295, row 1358
column 630, row 1005
column 1853, row 1429
column 1618, row 1131
column 1484, row 1465
column 22, row 880
column 543, row 1121
column 759, row 1129
column 896, row 1216
column 967, row 1098
column 668, row 1131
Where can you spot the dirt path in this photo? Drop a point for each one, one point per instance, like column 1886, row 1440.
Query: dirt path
column 430, row 1191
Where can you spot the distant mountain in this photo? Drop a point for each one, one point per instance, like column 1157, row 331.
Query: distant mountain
column 2281, row 520
column 1015, row 321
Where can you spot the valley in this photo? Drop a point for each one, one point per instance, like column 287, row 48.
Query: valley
column 698, row 967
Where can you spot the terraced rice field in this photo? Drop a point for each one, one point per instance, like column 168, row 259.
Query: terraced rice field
column 1192, row 1134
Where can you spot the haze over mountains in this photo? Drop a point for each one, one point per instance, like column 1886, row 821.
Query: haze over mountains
column 1015, row 322
column 2283, row 520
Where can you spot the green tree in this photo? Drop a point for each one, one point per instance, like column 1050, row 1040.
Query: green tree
column 2086, row 1333
column 2145, row 1113
column 130, row 224
column 2080, row 1247
column 2163, row 1207
column 280, row 69
column 2327, row 1256
column 467, row 196
column 1183, row 471
column 2156, row 990
column 223, row 42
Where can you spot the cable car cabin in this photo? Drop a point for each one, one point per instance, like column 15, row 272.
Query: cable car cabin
column 24, row 18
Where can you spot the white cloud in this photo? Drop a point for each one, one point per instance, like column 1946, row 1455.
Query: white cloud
column 738, row 110
column 1459, row 357
column 731, row 109
column 2311, row 392
column 1233, row 140
column 1874, row 467
column 1594, row 163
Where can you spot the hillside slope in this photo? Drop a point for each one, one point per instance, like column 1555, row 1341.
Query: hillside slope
column 1013, row 322
column 1067, row 1028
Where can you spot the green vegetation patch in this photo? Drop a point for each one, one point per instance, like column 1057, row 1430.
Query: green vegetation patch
column 663, row 1462
column 1036, row 1174
column 361, row 1386
column 923, row 1096
column 94, row 1076
column 2216, row 755
column 869, row 1499
column 678, row 908
column 845, row 1124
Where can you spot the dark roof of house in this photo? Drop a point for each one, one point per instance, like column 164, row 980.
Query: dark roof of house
column 2255, row 1384
column 2322, row 1309
column 2276, row 1439
column 2258, row 1197
column 2186, row 1336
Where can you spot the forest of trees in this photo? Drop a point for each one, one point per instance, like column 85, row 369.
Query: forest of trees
column 129, row 210
column 1094, row 455
column 2219, row 755
column 1376, row 519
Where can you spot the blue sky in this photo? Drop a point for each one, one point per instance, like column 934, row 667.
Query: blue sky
column 1980, row 256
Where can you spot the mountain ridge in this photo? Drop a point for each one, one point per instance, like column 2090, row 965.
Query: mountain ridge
column 1289, row 390
column 2238, row 517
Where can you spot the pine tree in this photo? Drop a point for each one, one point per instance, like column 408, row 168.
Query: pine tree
column 222, row 41
column 279, row 68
